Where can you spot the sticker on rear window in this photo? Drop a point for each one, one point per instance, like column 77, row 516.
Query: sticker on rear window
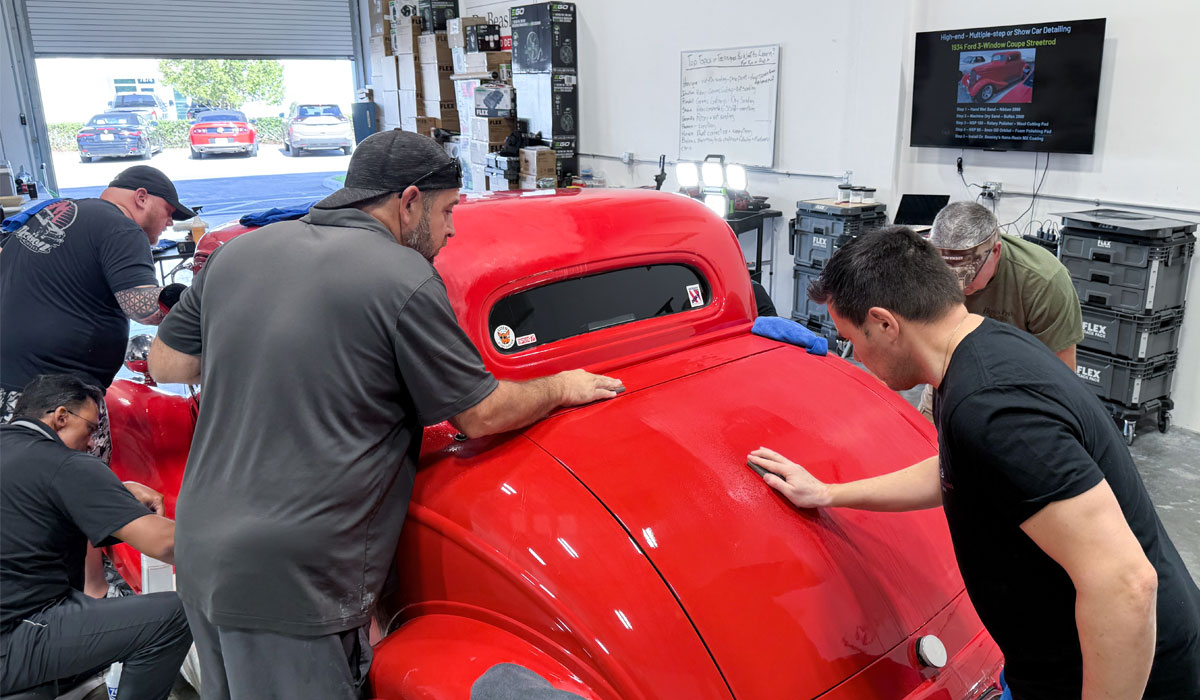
column 695, row 295
column 503, row 336
column 527, row 340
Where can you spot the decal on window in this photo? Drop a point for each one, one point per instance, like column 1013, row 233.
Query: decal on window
column 527, row 340
column 503, row 336
column 695, row 295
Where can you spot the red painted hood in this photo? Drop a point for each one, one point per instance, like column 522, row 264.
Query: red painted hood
column 790, row 603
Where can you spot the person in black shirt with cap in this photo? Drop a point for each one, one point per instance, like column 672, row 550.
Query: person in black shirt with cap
column 54, row 500
column 74, row 275
column 288, row 530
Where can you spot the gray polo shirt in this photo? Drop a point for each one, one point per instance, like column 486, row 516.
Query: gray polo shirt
column 326, row 346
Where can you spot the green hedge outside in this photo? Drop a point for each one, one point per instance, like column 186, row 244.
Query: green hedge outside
column 174, row 133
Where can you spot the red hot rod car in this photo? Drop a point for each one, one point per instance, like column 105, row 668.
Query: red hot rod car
column 986, row 79
column 624, row 549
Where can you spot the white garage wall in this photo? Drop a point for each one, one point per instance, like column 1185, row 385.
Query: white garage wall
column 1147, row 144
column 845, row 78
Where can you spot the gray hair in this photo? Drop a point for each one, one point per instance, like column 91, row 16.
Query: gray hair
column 962, row 225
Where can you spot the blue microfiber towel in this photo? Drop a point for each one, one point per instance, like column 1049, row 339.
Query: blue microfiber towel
column 16, row 221
column 786, row 331
column 270, row 216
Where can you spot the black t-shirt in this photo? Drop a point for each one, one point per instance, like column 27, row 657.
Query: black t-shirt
column 1017, row 431
column 58, row 276
column 325, row 346
column 53, row 500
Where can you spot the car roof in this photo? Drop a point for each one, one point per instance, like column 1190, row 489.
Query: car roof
column 513, row 241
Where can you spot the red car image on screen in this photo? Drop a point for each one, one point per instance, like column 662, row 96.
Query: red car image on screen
column 222, row 131
column 985, row 80
column 623, row 550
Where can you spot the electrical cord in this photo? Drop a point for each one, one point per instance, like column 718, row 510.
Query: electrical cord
column 1036, row 191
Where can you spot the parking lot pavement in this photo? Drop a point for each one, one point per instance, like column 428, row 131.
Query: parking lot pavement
column 227, row 186
column 178, row 166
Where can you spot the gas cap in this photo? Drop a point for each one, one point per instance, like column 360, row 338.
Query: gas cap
column 931, row 651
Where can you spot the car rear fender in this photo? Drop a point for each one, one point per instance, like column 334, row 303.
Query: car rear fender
column 438, row 656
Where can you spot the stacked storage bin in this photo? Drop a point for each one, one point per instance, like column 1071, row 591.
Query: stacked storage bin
column 822, row 226
column 1130, row 271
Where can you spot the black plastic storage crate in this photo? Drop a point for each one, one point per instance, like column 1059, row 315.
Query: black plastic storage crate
column 1125, row 273
column 1126, row 223
column 802, row 306
column 1127, row 382
column 815, row 238
column 1127, row 418
column 1130, row 336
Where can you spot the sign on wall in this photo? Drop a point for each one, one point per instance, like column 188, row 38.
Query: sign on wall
column 496, row 11
column 727, row 101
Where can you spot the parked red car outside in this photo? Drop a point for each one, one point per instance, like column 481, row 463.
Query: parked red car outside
column 222, row 131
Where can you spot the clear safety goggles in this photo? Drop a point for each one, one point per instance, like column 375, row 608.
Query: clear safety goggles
column 967, row 263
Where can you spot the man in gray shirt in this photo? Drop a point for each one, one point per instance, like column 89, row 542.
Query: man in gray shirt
column 325, row 344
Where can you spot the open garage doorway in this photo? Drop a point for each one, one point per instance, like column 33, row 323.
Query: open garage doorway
column 218, row 128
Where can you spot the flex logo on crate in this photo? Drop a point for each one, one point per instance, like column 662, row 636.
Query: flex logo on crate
column 1101, row 243
column 1088, row 374
column 1095, row 330
column 820, row 242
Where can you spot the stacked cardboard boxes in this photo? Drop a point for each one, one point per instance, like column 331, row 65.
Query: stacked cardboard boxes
column 433, row 54
column 538, row 166
column 484, row 129
column 545, row 77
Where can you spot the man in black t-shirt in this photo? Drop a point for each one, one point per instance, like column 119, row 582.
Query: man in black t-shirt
column 71, row 278
column 54, row 500
column 1060, row 548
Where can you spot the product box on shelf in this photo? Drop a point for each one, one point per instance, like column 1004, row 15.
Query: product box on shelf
column 482, row 37
column 550, row 101
column 544, row 37
column 432, row 48
column 455, row 28
column 404, row 35
column 436, row 83
column 435, row 13
column 493, row 100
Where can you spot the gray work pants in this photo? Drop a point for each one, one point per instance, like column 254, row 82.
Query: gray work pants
column 80, row 636
column 248, row 664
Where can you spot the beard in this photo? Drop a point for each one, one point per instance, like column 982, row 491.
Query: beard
column 419, row 237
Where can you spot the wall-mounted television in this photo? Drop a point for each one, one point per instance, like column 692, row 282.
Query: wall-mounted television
column 1023, row 87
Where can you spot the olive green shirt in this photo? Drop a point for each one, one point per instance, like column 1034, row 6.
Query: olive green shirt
column 1032, row 290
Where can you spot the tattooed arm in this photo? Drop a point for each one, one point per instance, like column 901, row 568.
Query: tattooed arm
column 141, row 304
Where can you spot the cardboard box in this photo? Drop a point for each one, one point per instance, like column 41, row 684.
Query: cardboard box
column 550, row 101
column 410, row 103
column 566, row 155
column 442, row 110
column 544, row 38
column 420, row 125
column 407, row 72
column 436, row 83
column 490, row 61
column 539, row 161
column 435, row 13
column 455, row 27
column 477, row 151
column 389, row 104
column 494, row 130
column 528, row 182
column 432, row 48
column 482, row 37
column 405, row 33
column 498, row 182
column 458, row 59
column 509, row 164
column 474, row 177
column 495, row 101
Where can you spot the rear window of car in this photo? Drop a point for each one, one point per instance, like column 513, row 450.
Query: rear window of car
column 225, row 116
column 318, row 111
column 113, row 120
column 134, row 101
column 584, row 304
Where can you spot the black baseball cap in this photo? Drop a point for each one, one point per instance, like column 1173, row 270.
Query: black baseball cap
column 392, row 161
column 144, row 177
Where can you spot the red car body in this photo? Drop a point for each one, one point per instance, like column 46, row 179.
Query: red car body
column 624, row 549
column 222, row 131
column 985, row 79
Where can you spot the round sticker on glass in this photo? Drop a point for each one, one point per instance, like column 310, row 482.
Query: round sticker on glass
column 504, row 337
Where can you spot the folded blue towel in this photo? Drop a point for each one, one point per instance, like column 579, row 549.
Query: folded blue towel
column 16, row 221
column 270, row 216
column 786, row 331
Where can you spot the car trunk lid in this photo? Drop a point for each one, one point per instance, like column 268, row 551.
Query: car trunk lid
column 816, row 595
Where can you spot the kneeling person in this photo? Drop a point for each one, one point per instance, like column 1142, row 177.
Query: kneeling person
column 53, row 500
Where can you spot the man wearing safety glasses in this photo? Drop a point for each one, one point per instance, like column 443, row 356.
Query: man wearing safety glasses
column 1008, row 279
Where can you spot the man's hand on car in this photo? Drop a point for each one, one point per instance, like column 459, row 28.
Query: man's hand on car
column 580, row 387
column 792, row 480
column 146, row 496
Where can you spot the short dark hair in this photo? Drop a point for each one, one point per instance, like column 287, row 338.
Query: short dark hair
column 893, row 268
column 49, row 391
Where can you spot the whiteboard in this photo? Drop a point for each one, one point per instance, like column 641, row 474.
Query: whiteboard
column 727, row 101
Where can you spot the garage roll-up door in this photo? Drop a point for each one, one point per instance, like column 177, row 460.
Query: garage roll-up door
column 191, row 28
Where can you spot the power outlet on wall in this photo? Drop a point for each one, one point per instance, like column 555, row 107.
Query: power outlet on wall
column 992, row 190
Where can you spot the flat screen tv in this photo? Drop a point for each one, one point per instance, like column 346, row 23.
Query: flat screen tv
column 1023, row 87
